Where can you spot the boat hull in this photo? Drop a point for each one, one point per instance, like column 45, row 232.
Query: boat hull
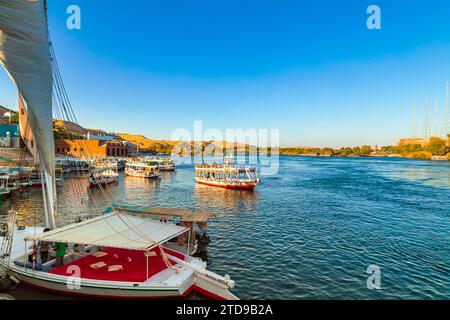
column 246, row 186
column 153, row 176
column 111, row 291
column 194, row 283
column 166, row 169
column 102, row 183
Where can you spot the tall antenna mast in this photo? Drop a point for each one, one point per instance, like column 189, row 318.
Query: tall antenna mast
column 447, row 111
column 426, row 123
column 414, row 124
column 435, row 131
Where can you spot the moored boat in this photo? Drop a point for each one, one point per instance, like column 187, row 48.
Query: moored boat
column 141, row 170
column 163, row 164
column 102, row 177
column 5, row 190
column 440, row 158
column 79, row 166
column 227, row 175
column 115, row 255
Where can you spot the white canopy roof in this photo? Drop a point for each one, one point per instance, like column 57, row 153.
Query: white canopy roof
column 114, row 230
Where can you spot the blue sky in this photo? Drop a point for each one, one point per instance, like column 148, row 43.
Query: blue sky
column 309, row 68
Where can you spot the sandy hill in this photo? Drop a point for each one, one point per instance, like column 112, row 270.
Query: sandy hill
column 73, row 127
column 145, row 143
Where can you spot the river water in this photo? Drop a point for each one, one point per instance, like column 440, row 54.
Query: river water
column 309, row 232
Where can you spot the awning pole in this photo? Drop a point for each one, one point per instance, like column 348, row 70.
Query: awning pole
column 146, row 254
column 26, row 259
column 189, row 239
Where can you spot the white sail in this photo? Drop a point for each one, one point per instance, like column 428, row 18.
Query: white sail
column 25, row 130
column 24, row 53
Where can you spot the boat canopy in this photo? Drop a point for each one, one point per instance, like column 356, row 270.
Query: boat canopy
column 222, row 168
column 185, row 215
column 114, row 230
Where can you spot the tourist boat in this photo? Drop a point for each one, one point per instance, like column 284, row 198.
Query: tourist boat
column 5, row 190
column 119, row 164
column 63, row 164
column 227, row 175
column 163, row 164
column 141, row 170
column 115, row 254
column 78, row 166
column 102, row 177
column 18, row 177
column 439, row 158
column 36, row 180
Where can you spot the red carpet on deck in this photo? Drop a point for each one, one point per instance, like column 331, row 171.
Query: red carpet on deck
column 134, row 271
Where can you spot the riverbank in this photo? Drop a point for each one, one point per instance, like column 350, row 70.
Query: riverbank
column 432, row 149
column 399, row 156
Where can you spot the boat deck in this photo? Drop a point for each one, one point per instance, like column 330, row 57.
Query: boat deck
column 134, row 265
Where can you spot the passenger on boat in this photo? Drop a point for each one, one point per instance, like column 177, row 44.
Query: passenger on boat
column 60, row 251
column 44, row 248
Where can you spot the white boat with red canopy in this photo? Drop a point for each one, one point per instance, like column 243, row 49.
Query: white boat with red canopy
column 114, row 255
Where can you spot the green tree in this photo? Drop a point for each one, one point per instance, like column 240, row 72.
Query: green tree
column 436, row 147
column 365, row 151
column 14, row 118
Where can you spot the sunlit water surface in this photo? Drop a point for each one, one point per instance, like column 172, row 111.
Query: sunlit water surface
column 309, row 232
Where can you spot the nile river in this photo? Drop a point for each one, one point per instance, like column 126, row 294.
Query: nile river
column 309, row 232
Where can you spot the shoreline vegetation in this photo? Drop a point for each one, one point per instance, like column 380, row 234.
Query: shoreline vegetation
column 433, row 148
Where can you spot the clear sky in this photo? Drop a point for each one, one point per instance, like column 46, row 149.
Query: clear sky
column 309, row 68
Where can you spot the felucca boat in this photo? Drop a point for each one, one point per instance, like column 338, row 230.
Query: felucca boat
column 116, row 254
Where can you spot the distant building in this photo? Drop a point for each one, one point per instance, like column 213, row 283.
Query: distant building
column 420, row 141
column 91, row 148
column 9, row 136
column 100, row 136
column 5, row 115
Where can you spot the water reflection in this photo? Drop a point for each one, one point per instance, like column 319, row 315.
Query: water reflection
column 225, row 201
column 433, row 174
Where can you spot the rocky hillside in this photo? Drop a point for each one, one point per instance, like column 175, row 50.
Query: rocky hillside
column 65, row 129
